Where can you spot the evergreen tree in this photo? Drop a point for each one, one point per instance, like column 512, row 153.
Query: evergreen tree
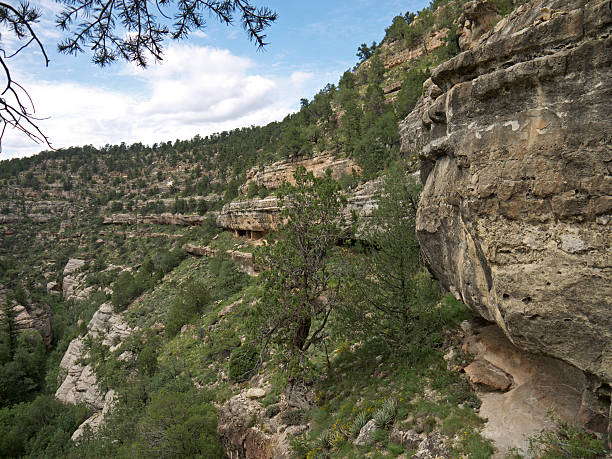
column 301, row 279
column 391, row 295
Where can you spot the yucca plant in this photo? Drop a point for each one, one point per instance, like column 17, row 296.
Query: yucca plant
column 386, row 413
column 323, row 439
column 360, row 420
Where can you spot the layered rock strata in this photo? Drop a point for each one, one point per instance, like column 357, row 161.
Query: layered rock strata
column 516, row 153
column 255, row 217
column 159, row 219
column 244, row 260
column 273, row 175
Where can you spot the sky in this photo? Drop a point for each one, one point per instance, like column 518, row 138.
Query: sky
column 213, row 81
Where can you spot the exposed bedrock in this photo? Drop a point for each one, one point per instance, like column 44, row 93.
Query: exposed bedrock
column 516, row 157
column 159, row 219
column 273, row 175
column 255, row 217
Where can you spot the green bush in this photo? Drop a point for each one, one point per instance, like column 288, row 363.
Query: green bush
column 228, row 279
column 272, row 411
column 294, row 417
column 41, row 428
column 124, row 291
column 178, row 425
column 242, row 362
column 412, row 88
column 566, row 442
column 192, row 300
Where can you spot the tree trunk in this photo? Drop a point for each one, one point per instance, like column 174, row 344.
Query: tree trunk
column 301, row 334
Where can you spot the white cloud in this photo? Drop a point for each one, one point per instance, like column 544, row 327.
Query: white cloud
column 299, row 77
column 196, row 90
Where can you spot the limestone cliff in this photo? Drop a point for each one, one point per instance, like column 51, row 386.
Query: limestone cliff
column 254, row 217
column 159, row 219
column 79, row 383
column 515, row 146
column 273, row 175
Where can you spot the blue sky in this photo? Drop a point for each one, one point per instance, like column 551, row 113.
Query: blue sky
column 215, row 80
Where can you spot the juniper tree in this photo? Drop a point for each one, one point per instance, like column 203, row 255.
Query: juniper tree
column 301, row 279
column 390, row 295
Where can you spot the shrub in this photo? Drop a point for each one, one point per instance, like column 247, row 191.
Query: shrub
column 178, row 425
column 272, row 411
column 565, row 443
column 228, row 279
column 242, row 362
column 190, row 302
column 124, row 291
column 293, row 417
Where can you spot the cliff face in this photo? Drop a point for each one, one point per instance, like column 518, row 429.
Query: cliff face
column 159, row 219
column 516, row 154
column 253, row 217
column 79, row 383
column 273, row 175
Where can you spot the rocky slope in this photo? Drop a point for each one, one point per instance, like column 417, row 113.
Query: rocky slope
column 515, row 147
column 79, row 384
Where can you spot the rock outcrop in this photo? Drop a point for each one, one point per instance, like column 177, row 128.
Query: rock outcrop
column 519, row 389
column 158, row 219
column 516, row 153
column 35, row 211
column 72, row 283
column 31, row 317
column 79, row 384
column 255, row 217
column 273, row 175
column 247, row 433
column 244, row 260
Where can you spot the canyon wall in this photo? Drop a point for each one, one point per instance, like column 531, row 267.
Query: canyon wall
column 254, row 217
column 516, row 157
column 272, row 176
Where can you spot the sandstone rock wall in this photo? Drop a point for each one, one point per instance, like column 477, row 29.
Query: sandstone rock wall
column 431, row 42
column 273, row 175
column 516, row 153
column 159, row 219
column 256, row 216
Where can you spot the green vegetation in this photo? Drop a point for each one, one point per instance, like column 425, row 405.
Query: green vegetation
column 301, row 268
column 129, row 286
column 389, row 294
column 242, row 363
column 565, row 443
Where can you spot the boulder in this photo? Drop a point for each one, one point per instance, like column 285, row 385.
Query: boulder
column 366, row 433
column 73, row 265
column 432, row 447
column 407, row 439
column 487, row 376
column 255, row 392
